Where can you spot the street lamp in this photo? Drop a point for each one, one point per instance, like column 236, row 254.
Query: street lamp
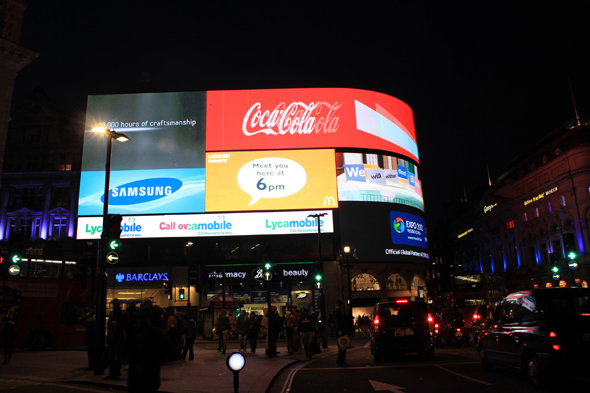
column 101, row 284
column 348, row 265
column 321, row 289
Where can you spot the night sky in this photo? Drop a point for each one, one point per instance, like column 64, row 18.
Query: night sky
column 489, row 80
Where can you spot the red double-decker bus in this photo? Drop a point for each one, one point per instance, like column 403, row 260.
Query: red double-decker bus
column 51, row 295
column 473, row 288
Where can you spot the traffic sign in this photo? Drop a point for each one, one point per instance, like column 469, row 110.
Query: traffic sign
column 573, row 265
column 556, row 276
column 14, row 270
column 319, row 285
column 267, row 276
column 112, row 258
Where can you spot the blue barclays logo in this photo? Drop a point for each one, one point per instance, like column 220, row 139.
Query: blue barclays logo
column 141, row 191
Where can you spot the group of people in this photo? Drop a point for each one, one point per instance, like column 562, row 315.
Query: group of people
column 363, row 322
column 141, row 338
column 298, row 327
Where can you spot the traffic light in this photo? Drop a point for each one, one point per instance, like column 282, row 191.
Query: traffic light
column 112, row 231
column 181, row 294
column 318, row 277
column 168, row 289
column 15, row 258
column 554, row 264
column 193, row 275
column 239, row 310
column 569, row 244
column 268, row 271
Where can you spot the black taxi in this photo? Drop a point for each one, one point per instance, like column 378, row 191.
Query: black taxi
column 401, row 327
column 539, row 331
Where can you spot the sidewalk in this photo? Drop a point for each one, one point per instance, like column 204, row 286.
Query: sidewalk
column 208, row 373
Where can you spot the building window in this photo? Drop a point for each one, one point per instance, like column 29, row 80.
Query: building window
column 562, row 199
column 549, row 207
column 59, row 228
column 536, row 211
column 396, row 282
column 544, row 253
column 365, row 282
column 557, row 248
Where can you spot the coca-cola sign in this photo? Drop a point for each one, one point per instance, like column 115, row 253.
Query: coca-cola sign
column 293, row 118
column 309, row 119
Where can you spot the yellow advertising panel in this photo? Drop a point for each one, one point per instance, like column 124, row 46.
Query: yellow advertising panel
column 270, row 180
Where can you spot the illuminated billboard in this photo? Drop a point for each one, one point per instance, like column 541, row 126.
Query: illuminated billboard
column 378, row 178
column 161, row 169
column 309, row 118
column 383, row 234
column 207, row 225
column 270, row 180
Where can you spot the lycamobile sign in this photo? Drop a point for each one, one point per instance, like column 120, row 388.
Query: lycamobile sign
column 202, row 225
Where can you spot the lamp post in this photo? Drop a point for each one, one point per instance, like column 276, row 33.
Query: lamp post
column 348, row 265
column 320, row 266
column 101, row 284
column 189, row 311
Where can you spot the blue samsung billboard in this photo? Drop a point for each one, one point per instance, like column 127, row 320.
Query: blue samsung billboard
column 161, row 170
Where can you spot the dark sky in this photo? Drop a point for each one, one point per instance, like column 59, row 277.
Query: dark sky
column 491, row 77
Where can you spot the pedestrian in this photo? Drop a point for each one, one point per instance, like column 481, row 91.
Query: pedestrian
column 242, row 330
column 274, row 321
column 88, row 320
column 174, row 334
column 147, row 352
column 340, row 328
column 289, row 325
column 10, row 322
column 223, row 327
column 307, row 329
column 190, row 332
column 253, row 330
column 116, row 339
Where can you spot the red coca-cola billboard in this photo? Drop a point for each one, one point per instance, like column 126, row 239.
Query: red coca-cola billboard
column 309, row 118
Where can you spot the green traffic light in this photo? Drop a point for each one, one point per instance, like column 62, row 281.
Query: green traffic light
column 181, row 294
column 318, row 277
column 572, row 255
column 555, row 269
column 267, row 266
column 114, row 244
column 16, row 258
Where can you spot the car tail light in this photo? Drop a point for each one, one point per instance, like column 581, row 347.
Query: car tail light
column 401, row 301
column 430, row 319
column 554, row 341
column 376, row 322
column 476, row 316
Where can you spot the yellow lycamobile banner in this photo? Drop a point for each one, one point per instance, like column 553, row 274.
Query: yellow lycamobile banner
column 270, row 180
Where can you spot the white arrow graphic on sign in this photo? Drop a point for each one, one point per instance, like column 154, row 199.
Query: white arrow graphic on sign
column 380, row 386
column 112, row 258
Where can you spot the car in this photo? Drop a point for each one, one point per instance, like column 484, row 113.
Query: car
column 481, row 318
column 401, row 327
column 545, row 332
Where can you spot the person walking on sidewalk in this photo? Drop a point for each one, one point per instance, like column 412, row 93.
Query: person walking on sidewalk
column 190, row 332
column 289, row 325
column 10, row 322
column 253, row 330
column 242, row 329
column 223, row 330
column 275, row 326
column 116, row 339
column 147, row 352
column 340, row 328
column 88, row 320
column 307, row 328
